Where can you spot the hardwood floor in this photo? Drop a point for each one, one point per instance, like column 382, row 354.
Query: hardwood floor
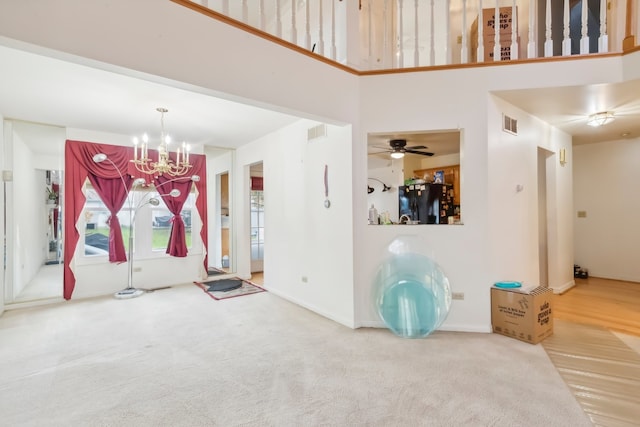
column 612, row 304
column 257, row 278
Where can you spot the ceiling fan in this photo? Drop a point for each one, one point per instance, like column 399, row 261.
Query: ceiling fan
column 398, row 148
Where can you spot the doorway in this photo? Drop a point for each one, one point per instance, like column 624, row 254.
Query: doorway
column 544, row 157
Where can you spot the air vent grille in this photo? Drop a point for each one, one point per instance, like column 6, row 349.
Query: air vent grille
column 509, row 124
column 316, row 132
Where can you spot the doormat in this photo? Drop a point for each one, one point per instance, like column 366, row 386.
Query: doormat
column 245, row 288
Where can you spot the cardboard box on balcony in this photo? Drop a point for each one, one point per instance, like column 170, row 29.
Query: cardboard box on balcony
column 489, row 42
column 505, row 23
column 523, row 315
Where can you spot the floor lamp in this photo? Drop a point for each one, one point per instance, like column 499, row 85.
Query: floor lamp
column 130, row 291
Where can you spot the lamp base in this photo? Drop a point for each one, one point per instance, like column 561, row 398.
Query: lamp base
column 128, row 293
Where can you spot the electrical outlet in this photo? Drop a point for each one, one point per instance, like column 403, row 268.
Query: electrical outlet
column 304, row 279
column 457, row 295
column 137, row 269
column 582, row 214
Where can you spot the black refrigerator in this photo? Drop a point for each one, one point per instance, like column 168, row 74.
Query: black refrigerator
column 427, row 203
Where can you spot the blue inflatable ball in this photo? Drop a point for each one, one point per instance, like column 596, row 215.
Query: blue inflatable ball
column 412, row 294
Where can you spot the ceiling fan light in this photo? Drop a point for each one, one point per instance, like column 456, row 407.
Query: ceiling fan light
column 397, row 155
column 600, row 119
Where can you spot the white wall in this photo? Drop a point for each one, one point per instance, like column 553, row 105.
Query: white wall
column 513, row 213
column 481, row 251
column 302, row 237
column 606, row 177
column 3, row 167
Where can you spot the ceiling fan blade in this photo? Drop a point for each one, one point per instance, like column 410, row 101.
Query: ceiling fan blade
column 416, row 147
column 423, row 153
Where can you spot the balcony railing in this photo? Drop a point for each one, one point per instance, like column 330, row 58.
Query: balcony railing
column 394, row 34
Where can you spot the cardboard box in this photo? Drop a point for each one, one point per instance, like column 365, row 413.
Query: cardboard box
column 524, row 316
column 505, row 23
column 489, row 43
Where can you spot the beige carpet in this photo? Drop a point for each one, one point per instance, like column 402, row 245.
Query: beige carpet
column 173, row 358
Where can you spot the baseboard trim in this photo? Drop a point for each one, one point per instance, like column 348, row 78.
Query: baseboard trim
column 563, row 288
column 323, row 313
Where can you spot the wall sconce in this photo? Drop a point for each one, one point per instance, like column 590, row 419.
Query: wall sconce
column 385, row 187
column 563, row 156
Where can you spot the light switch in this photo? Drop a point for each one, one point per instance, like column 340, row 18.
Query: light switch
column 582, row 214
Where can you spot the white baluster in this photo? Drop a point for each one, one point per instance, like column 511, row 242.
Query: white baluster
column 480, row 33
column 278, row 20
column 496, row 39
column 514, row 31
column 531, row 41
column 548, row 43
column 307, row 40
column 432, row 31
column 245, row 12
column 603, row 40
column 584, row 40
column 369, row 34
column 566, row 41
column 320, row 29
column 447, row 32
column 400, row 39
column 333, row 30
column 385, row 37
column 225, row 7
column 262, row 15
column 464, row 53
column 416, row 36
column 294, row 29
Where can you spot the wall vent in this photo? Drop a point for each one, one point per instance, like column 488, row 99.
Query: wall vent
column 316, row 132
column 509, row 124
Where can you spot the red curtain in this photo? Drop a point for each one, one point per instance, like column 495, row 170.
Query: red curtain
column 177, row 243
column 79, row 165
column 113, row 192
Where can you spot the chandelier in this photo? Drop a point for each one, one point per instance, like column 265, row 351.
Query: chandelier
column 164, row 165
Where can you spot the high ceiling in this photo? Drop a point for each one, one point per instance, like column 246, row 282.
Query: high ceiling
column 36, row 87
column 45, row 90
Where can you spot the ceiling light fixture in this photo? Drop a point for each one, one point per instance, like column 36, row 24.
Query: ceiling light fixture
column 600, row 119
column 397, row 154
column 164, row 164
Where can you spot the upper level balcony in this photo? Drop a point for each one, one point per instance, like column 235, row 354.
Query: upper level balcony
column 377, row 35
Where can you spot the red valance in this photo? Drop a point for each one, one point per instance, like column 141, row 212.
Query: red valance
column 257, row 183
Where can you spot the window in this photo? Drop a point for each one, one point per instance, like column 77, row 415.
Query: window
column 152, row 223
column 161, row 225
column 257, row 225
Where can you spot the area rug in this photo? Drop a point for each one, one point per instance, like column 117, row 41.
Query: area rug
column 246, row 288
